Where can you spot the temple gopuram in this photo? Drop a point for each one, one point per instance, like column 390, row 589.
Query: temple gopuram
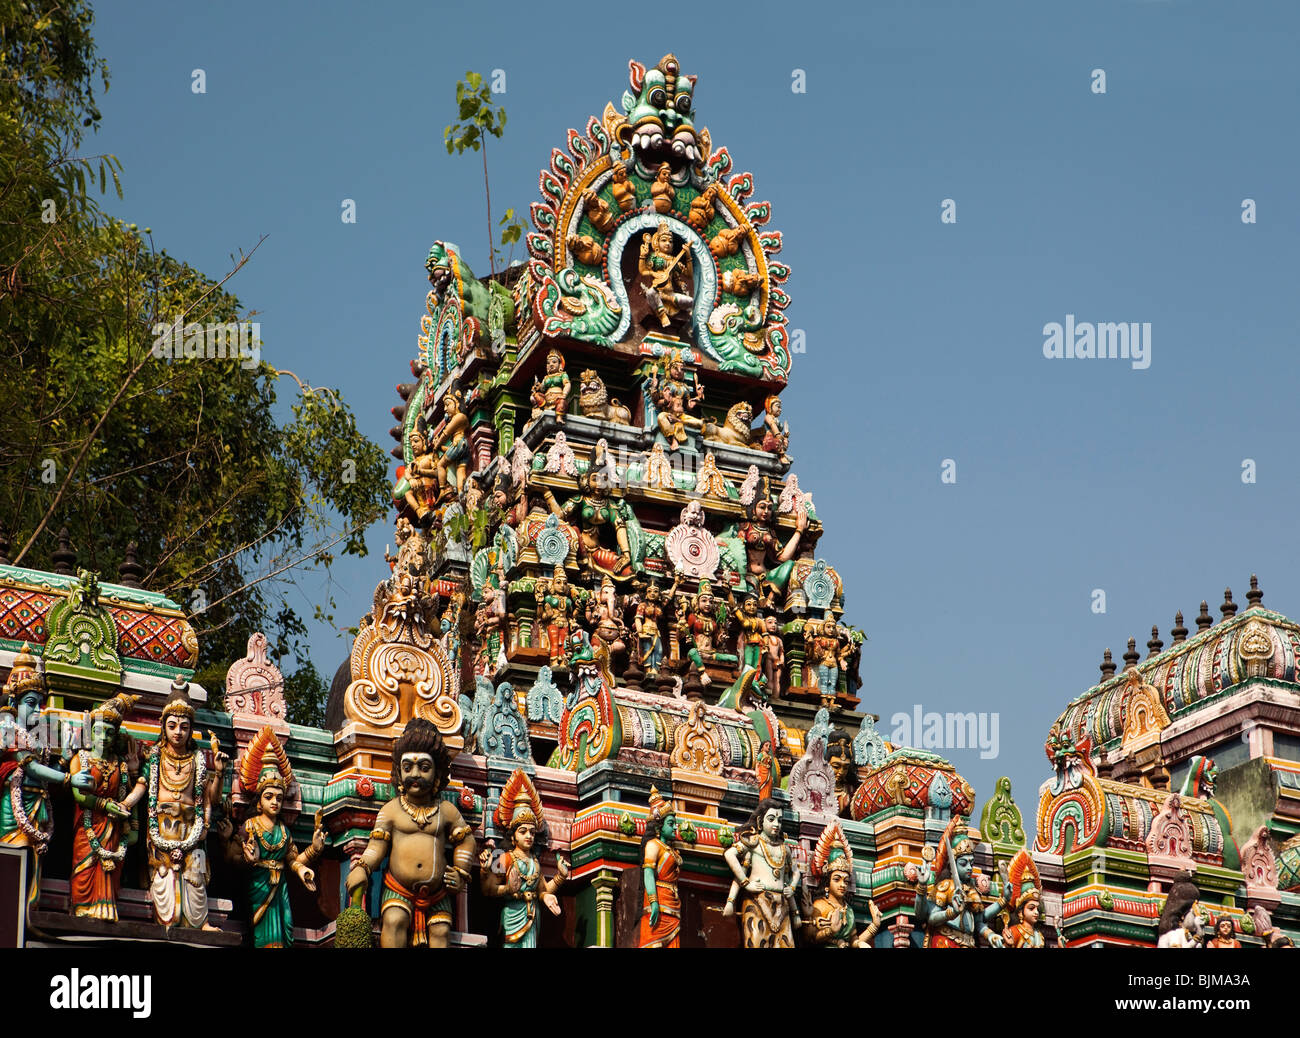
column 606, row 694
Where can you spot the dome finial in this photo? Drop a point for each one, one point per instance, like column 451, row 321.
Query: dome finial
column 1179, row 631
column 1155, row 644
column 1107, row 666
column 1205, row 621
column 1254, row 596
column 64, row 557
column 1229, row 607
column 1131, row 656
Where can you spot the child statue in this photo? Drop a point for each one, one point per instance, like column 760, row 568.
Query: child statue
column 518, row 875
column 181, row 796
column 831, row 923
column 101, row 832
column 765, row 870
column 415, row 831
column 267, row 847
column 661, row 907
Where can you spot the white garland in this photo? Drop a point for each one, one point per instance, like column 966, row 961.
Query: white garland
column 176, row 848
column 32, row 831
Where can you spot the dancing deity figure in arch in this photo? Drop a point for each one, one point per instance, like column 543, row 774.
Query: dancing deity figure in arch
column 430, row 849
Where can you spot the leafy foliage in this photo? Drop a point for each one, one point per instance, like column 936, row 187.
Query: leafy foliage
column 192, row 458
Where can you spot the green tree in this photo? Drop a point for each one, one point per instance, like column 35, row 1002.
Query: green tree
column 229, row 500
column 478, row 116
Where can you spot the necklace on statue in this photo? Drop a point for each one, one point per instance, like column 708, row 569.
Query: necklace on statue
column 422, row 816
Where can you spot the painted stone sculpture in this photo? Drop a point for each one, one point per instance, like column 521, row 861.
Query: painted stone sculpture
column 661, row 911
column 551, row 391
column 517, row 874
column 266, row 846
column 102, row 829
column 429, row 848
column 766, row 873
column 181, row 796
column 831, row 923
column 949, row 904
column 1024, row 900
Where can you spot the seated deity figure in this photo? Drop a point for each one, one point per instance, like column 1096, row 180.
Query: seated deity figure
column 766, row 874
column 667, row 278
column 181, row 793
column 430, row 849
column 102, row 826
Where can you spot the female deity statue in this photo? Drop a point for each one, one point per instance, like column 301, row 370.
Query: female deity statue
column 27, row 768
column 181, row 796
column 267, row 848
column 648, row 615
column 949, row 904
column 766, row 872
column 420, row 478
column 831, row 923
column 753, row 632
column 1224, row 934
column 776, row 436
column 517, row 876
column 1024, row 903
column 767, row 561
column 101, row 833
column 598, row 515
column 661, row 907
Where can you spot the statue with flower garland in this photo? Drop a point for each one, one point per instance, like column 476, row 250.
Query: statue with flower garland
column 266, row 846
column 27, row 768
column 831, row 923
column 516, row 875
column 182, row 792
column 950, row 904
column 661, row 864
column 103, row 828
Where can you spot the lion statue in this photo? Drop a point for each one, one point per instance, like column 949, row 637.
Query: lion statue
column 735, row 431
column 594, row 401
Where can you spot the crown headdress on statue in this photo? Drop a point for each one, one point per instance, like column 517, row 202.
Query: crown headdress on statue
column 831, row 853
column 116, row 709
column 23, row 678
column 1023, row 884
column 178, row 700
column 264, row 764
column 659, row 807
column 519, row 803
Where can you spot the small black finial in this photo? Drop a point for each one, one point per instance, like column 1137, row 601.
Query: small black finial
column 1229, row 607
column 1179, row 631
column 1254, row 596
column 130, row 572
column 1107, row 666
column 1205, row 621
column 1155, row 644
column 63, row 557
column 1131, row 656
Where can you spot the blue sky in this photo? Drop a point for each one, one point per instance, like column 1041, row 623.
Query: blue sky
column 925, row 339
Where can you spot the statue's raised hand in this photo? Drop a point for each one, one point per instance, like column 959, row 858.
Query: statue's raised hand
column 83, row 780
column 562, row 868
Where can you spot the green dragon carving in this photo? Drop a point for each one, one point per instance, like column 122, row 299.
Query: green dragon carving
column 450, row 274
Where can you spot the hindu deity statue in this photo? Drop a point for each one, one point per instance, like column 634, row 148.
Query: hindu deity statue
column 601, row 519
column 672, row 397
column 181, row 793
column 661, row 907
column 647, row 617
column 420, row 477
column 266, row 846
column 1180, row 922
column 839, row 755
column 701, row 620
column 773, row 655
column 667, row 277
column 1024, row 901
column 768, row 562
column 766, row 873
column 1224, row 934
column 490, row 625
column 827, row 651
column 517, row 874
column 776, row 434
column 551, row 391
column 768, row 769
column 949, row 904
column 556, row 606
column 753, row 630
column 606, row 620
column 831, row 923
column 27, row 768
column 102, row 829
column 451, row 447
column 430, row 849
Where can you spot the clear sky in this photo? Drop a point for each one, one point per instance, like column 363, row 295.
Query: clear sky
column 924, row 339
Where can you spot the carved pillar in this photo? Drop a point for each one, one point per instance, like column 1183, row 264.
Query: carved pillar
column 605, row 883
column 902, row 931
